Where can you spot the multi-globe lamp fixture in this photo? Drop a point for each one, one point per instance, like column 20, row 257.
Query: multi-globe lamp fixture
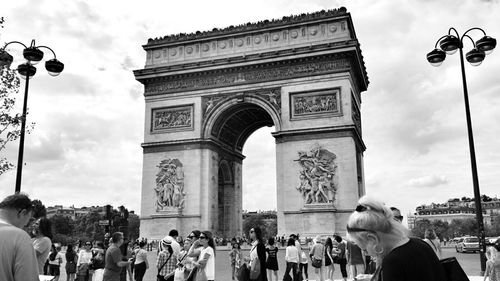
column 448, row 45
column 33, row 55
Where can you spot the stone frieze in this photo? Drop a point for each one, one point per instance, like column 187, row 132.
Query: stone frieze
column 286, row 71
column 271, row 95
column 171, row 118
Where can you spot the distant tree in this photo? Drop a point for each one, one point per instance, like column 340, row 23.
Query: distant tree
column 441, row 228
column 133, row 226
column 62, row 225
column 486, row 198
column 39, row 209
column 494, row 229
column 62, row 239
column 272, row 228
column 463, row 227
column 10, row 122
column 87, row 227
column 420, row 227
column 254, row 221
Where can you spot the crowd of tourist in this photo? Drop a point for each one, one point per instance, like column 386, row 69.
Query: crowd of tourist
column 376, row 244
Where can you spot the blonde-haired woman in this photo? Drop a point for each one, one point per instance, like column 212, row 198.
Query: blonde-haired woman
column 399, row 258
column 492, row 264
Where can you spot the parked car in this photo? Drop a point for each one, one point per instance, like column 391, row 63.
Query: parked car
column 490, row 241
column 467, row 244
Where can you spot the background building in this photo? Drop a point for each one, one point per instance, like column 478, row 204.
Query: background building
column 456, row 208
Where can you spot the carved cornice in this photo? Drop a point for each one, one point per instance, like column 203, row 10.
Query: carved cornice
column 180, row 145
column 249, row 26
column 250, row 74
column 320, row 133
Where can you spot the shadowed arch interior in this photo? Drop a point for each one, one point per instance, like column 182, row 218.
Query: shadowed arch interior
column 235, row 125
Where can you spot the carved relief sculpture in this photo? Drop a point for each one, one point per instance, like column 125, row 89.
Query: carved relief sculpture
column 322, row 65
column 271, row 95
column 315, row 103
column 169, row 188
column 171, row 118
column 317, row 184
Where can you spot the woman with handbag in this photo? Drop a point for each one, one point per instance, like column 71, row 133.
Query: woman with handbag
column 317, row 253
column 70, row 267
column 257, row 256
column 206, row 262
column 292, row 260
column 82, row 265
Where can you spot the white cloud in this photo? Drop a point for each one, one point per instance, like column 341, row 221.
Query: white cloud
column 428, row 181
column 90, row 119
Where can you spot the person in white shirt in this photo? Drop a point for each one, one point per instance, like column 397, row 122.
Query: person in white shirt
column 83, row 262
column 206, row 262
column 172, row 238
column 17, row 259
column 141, row 262
column 292, row 258
column 55, row 260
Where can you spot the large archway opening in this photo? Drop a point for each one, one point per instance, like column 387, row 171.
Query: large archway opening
column 259, row 171
column 231, row 127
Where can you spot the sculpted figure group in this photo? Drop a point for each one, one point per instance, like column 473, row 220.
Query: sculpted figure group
column 170, row 185
column 317, row 183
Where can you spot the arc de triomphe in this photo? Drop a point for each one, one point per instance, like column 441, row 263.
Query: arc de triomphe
column 207, row 92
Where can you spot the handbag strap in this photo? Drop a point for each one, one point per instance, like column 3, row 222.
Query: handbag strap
column 159, row 269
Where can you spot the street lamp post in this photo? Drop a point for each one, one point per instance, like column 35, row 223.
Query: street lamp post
column 33, row 55
column 484, row 46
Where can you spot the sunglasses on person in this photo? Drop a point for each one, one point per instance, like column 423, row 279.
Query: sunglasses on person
column 203, row 237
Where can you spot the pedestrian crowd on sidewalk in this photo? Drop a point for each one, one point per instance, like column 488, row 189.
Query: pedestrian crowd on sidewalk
column 377, row 247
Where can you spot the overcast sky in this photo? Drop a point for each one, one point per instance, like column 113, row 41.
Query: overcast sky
column 85, row 148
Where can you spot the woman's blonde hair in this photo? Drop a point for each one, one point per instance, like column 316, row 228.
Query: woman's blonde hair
column 491, row 253
column 372, row 215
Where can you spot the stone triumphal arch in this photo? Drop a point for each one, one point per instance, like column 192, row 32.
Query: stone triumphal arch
column 207, row 92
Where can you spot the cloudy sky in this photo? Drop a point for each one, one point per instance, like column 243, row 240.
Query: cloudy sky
column 85, row 149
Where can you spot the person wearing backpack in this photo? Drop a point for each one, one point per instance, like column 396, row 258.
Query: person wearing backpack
column 317, row 254
column 55, row 260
